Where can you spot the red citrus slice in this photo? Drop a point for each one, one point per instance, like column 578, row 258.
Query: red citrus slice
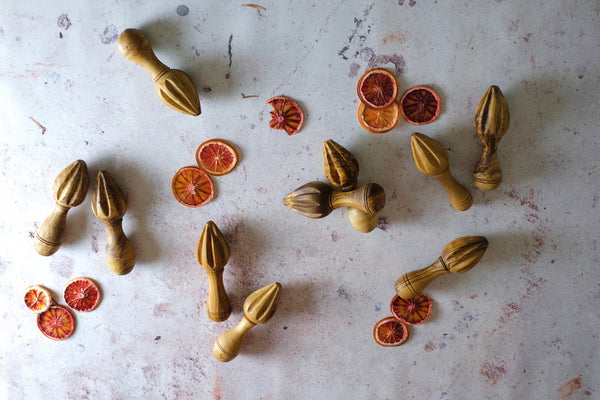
column 216, row 157
column 420, row 105
column 192, row 187
column 413, row 311
column 57, row 323
column 378, row 120
column 37, row 298
column 390, row 332
column 81, row 294
column 377, row 88
column 286, row 115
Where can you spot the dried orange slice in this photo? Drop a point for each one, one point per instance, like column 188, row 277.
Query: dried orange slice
column 216, row 157
column 390, row 332
column 413, row 311
column 420, row 105
column 286, row 115
column 192, row 187
column 57, row 323
column 377, row 88
column 378, row 120
column 37, row 298
column 81, row 294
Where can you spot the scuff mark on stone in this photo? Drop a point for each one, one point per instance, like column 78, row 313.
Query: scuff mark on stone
column 230, row 57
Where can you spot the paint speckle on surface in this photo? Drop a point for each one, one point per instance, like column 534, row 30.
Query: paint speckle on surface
column 62, row 266
column 396, row 59
column 378, row 306
column 397, row 36
column 161, row 309
column 568, row 389
column 382, row 223
column 182, row 10
column 334, row 236
column 509, row 311
column 354, row 67
column 158, row 338
column 411, row 3
column 430, row 346
column 463, row 324
column 64, row 22
column 493, row 371
column 341, row 292
column 109, row 35
column 80, row 348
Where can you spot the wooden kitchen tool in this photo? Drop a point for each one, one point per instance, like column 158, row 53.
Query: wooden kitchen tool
column 491, row 123
column 317, row 199
column 340, row 166
column 460, row 255
column 212, row 252
column 431, row 158
column 173, row 86
column 259, row 307
column 109, row 205
column 69, row 190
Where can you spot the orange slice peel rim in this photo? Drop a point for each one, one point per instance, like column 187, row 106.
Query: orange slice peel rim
column 56, row 323
column 377, row 88
column 420, row 105
column 286, row 115
column 37, row 298
column 82, row 294
column 378, row 120
column 390, row 332
column 216, row 157
column 413, row 311
column 192, row 187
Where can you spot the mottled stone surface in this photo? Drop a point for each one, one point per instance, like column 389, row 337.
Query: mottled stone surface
column 523, row 324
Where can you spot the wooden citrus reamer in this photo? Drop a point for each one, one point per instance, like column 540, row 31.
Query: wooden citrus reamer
column 69, row 190
column 431, row 158
column 491, row 123
column 109, row 205
column 259, row 307
column 212, row 252
column 173, row 86
column 316, row 199
column 460, row 255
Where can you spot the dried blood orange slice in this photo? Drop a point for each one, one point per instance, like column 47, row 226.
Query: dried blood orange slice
column 413, row 311
column 378, row 120
column 216, row 157
column 286, row 115
column 390, row 332
column 37, row 298
column 81, row 294
column 377, row 88
column 57, row 323
column 420, row 105
column 192, row 187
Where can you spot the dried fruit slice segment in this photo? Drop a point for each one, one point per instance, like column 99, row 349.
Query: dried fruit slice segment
column 216, row 157
column 57, row 323
column 286, row 115
column 390, row 332
column 81, row 294
column 420, row 105
column 377, row 88
column 378, row 120
column 37, row 298
column 192, row 187
column 413, row 311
